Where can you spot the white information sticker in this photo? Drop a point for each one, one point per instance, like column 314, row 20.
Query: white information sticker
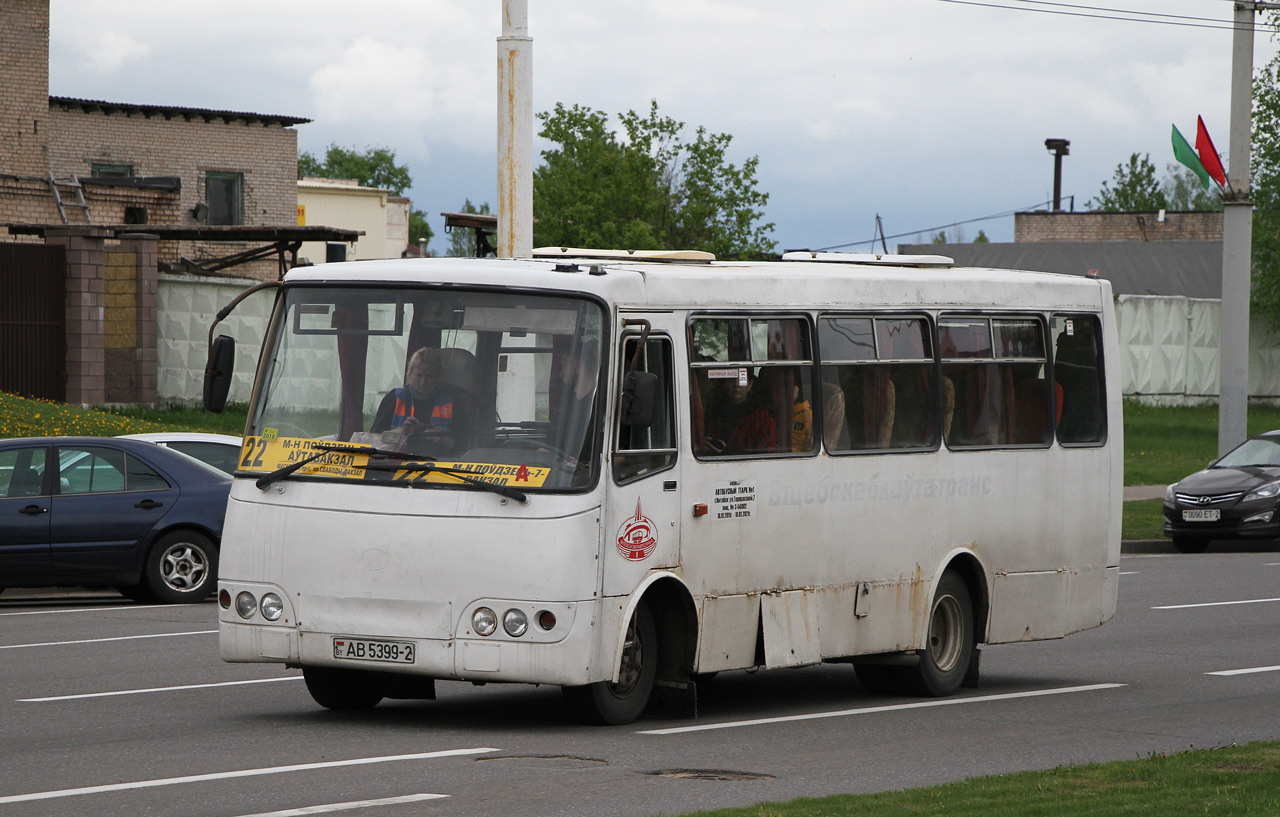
column 734, row 500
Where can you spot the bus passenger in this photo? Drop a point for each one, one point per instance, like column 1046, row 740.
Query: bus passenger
column 737, row 424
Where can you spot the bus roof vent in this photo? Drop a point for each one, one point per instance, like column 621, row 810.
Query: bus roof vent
column 624, row 255
column 870, row 258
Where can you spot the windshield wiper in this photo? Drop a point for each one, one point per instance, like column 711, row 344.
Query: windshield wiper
column 323, row 449
column 458, row 474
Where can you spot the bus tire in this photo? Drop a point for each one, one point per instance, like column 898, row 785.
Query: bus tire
column 1190, row 544
column 607, row 703
column 181, row 568
column 344, row 690
column 944, row 661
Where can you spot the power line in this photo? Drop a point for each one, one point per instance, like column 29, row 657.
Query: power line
column 882, row 237
column 1140, row 16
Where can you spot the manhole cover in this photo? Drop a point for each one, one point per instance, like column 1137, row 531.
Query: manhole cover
column 710, row 774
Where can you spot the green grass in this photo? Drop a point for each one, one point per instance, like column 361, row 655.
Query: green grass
column 1143, row 519
column 1163, row 444
column 1238, row 780
column 20, row 417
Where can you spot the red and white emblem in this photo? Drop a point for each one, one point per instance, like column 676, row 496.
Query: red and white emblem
column 637, row 537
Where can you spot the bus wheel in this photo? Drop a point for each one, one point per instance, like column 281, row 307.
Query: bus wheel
column 344, row 689
column 945, row 659
column 1190, row 544
column 608, row 703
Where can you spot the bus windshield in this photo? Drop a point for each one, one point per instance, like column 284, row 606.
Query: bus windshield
column 503, row 386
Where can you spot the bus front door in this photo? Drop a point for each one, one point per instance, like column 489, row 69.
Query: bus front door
column 642, row 515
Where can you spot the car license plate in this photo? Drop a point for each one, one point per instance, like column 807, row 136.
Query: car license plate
column 363, row 649
column 1201, row 515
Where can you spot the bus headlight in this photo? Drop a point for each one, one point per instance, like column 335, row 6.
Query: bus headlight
column 484, row 622
column 271, row 607
column 515, row 623
column 246, row 604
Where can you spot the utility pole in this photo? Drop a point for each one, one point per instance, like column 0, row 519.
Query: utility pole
column 1237, row 239
column 515, row 132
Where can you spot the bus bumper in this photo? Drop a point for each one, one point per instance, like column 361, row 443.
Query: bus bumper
column 562, row 656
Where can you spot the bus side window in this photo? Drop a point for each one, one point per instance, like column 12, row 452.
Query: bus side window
column 751, row 387
column 643, row 450
column 1077, row 370
column 994, row 381
column 877, row 383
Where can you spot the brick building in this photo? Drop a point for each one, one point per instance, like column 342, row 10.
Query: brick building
column 1042, row 225
column 120, row 193
column 78, row 161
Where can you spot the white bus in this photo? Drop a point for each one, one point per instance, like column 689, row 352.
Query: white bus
column 620, row 473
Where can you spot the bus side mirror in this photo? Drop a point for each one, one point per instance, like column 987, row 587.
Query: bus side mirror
column 639, row 394
column 217, row 373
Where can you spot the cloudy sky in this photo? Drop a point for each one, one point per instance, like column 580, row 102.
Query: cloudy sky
column 925, row 112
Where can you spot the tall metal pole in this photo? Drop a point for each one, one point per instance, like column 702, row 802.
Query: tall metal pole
column 515, row 132
column 1237, row 244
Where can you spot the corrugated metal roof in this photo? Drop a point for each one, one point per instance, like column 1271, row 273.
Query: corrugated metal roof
column 172, row 111
column 1190, row 268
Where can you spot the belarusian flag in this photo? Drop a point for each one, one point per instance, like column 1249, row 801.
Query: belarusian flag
column 1209, row 154
column 1183, row 153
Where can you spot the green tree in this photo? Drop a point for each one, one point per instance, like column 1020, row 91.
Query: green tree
column 462, row 240
column 981, row 238
column 646, row 189
column 1134, row 188
column 1183, row 191
column 372, row 167
column 1265, row 168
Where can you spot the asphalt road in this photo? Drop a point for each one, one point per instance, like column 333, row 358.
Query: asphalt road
column 110, row 708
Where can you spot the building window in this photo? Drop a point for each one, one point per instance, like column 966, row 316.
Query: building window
column 109, row 171
column 225, row 195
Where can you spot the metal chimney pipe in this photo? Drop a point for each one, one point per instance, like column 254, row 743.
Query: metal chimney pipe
column 1059, row 148
column 515, row 132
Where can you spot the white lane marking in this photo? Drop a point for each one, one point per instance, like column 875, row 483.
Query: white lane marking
column 1244, row 671
column 870, row 710
column 155, row 689
column 1130, row 572
column 102, row 640
column 1213, row 604
column 204, row 778
column 89, row 610
column 354, row 804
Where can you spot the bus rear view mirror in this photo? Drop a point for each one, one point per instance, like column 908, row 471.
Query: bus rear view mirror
column 639, row 394
column 217, row 373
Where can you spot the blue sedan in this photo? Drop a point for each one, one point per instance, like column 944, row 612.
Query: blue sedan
column 109, row 512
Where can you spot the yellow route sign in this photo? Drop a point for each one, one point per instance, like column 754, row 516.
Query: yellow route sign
column 268, row 453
